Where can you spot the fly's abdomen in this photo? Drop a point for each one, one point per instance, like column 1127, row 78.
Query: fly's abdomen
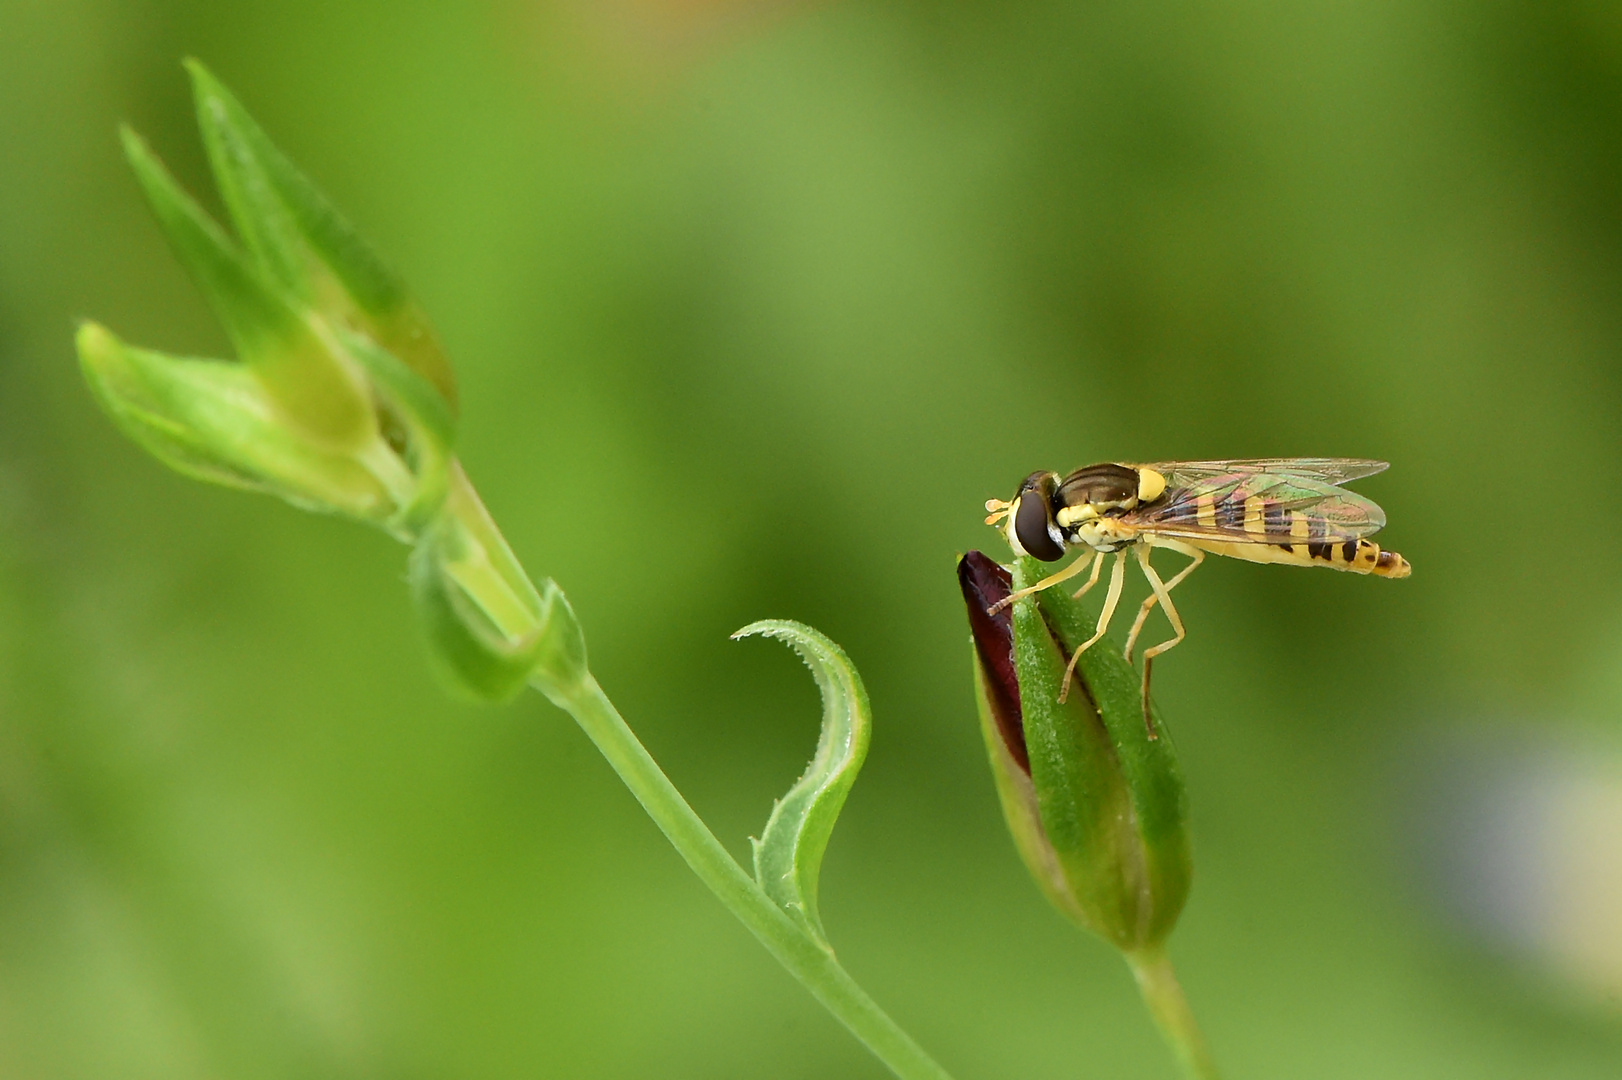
column 1357, row 556
column 1366, row 557
column 1296, row 537
column 1313, row 541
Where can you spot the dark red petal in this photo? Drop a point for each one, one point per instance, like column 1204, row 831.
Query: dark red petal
column 984, row 583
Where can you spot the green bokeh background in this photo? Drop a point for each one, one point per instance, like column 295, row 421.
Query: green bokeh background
column 753, row 304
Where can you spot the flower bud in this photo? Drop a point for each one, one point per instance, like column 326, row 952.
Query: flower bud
column 1097, row 808
column 338, row 399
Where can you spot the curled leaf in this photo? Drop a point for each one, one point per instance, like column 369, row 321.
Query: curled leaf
column 788, row 855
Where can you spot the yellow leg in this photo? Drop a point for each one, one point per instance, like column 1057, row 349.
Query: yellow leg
column 1164, row 595
column 1098, row 564
column 1046, row 583
column 1152, row 599
column 1117, row 576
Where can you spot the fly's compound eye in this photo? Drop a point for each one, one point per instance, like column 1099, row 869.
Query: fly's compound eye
column 1032, row 520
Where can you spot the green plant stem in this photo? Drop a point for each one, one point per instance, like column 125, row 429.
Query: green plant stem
column 1157, row 981
column 808, row 961
column 491, row 576
column 488, row 571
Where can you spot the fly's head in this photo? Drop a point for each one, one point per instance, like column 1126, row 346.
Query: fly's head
column 1027, row 520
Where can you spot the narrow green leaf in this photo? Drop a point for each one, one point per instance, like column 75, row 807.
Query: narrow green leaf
column 788, row 855
column 414, row 394
column 138, row 389
column 424, row 423
column 263, row 221
column 302, row 240
column 250, row 311
column 303, row 373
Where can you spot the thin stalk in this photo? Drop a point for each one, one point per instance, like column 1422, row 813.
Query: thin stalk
column 1157, row 981
column 805, row 959
column 491, row 575
column 487, row 568
column 495, row 597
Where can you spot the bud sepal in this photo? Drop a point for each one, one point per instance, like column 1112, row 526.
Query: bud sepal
column 213, row 420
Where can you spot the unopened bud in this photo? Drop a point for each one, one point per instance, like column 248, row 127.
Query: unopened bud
column 338, row 398
column 1096, row 808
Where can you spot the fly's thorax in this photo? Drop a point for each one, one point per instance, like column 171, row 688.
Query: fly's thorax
column 1110, row 486
column 1089, row 502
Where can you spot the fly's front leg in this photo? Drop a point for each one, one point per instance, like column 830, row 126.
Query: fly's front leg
column 1117, row 576
column 1164, row 595
column 1153, row 598
column 1092, row 579
column 1048, row 582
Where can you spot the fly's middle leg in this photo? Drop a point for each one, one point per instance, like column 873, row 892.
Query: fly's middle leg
column 1117, row 576
column 1092, row 579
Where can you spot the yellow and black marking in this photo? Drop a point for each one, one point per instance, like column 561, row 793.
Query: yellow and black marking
column 1311, row 541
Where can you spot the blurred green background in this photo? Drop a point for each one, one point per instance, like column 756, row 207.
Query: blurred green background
column 753, row 304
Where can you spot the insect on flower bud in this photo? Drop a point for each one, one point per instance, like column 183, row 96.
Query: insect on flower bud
column 1096, row 808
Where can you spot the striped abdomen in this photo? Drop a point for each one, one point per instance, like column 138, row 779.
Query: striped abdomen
column 1298, row 537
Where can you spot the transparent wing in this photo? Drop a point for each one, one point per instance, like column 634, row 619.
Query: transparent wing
column 1245, row 507
column 1333, row 471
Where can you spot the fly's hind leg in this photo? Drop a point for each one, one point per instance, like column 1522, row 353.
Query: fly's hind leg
column 1153, row 598
column 1052, row 579
column 1117, row 576
column 1163, row 594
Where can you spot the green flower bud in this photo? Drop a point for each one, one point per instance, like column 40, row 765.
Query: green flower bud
column 339, row 398
column 1097, row 808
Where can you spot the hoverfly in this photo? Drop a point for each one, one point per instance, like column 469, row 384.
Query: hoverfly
column 1270, row 510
